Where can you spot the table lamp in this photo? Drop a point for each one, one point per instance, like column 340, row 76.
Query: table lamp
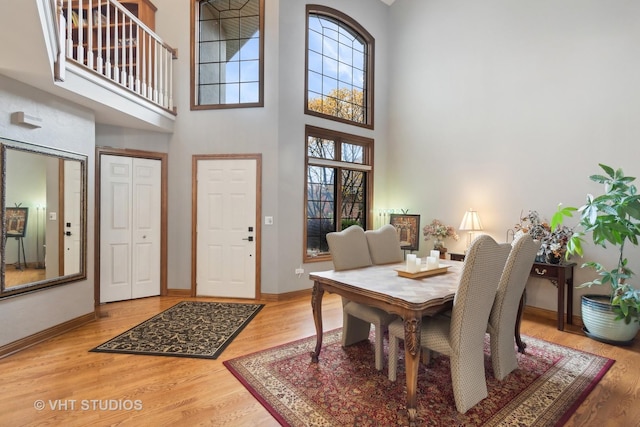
column 470, row 222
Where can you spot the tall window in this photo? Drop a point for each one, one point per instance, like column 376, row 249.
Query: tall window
column 227, row 53
column 339, row 81
column 338, row 186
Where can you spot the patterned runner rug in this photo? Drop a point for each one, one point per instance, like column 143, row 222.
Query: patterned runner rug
column 344, row 389
column 188, row 329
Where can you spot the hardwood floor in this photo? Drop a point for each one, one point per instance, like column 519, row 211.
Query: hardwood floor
column 70, row 381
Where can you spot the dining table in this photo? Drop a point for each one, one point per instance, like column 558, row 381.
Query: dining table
column 391, row 289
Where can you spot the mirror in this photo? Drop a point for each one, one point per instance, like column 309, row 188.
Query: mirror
column 43, row 195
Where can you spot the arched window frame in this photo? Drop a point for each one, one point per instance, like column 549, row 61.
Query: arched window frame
column 369, row 42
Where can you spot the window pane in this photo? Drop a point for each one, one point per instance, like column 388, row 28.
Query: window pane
column 249, row 92
column 321, row 148
column 320, row 207
column 352, row 153
column 232, row 74
column 249, row 71
column 353, row 206
column 250, row 49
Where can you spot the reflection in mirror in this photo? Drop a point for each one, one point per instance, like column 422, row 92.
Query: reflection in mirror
column 44, row 233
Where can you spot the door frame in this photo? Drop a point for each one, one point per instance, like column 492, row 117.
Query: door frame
column 125, row 152
column 194, row 212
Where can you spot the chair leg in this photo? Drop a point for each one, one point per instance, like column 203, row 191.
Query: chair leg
column 393, row 357
column 503, row 355
column 468, row 379
column 354, row 330
column 379, row 345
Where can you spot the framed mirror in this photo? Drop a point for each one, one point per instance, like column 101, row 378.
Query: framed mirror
column 43, row 192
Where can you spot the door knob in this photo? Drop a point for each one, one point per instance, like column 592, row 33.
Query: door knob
column 250, row 238
column 67, row 233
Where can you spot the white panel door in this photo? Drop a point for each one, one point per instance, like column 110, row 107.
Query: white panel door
column 72, row 207
column 129, row 228
column 145, row 265
column 225, row 228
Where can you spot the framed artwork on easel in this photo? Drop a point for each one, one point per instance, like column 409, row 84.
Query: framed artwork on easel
column 408, row 227
column 16, row 221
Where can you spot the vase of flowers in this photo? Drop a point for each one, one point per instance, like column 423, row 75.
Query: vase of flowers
column 439, row 232
column 553, row 242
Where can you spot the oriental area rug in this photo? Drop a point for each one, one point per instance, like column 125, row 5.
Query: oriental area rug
column 188, row 329
column 344, row 389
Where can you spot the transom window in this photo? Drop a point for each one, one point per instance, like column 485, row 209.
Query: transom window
column 338, row 186
column 339, row 81
column 227, row 53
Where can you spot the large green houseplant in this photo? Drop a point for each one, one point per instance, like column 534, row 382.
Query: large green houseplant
column 612, row 218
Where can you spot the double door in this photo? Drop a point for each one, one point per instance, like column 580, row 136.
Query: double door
column 130, row 216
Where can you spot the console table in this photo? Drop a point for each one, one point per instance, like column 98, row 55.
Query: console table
column 558, row 274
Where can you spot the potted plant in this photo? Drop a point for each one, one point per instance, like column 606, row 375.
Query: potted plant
column 612, row 218
column 553, row 243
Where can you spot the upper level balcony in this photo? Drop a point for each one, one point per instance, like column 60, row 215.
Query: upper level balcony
column 101, row 54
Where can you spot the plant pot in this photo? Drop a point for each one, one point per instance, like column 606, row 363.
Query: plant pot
column 599, row 321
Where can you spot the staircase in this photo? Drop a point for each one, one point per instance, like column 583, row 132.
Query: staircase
column 129, row 86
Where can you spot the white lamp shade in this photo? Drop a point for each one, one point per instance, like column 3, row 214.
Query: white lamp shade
column 471, row 221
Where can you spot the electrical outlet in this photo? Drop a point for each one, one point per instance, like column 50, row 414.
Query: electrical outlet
column 299, row 270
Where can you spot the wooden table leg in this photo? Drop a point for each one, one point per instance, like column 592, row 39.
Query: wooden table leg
column 560, row 284
column 316, row 306
column 412, row 327
column 521, row 345
column 570, row 299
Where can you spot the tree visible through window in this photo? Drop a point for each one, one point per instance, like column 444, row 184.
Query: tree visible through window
column 227, row 53
column 339, row 177
column 339, row 83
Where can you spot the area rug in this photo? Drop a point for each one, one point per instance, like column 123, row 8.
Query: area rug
column 344, row 389
column 188, row 329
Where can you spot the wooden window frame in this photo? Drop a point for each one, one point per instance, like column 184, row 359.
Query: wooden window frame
column 366, row 166
column 346, row 21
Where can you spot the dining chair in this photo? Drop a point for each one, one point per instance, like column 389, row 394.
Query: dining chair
column 384, row 245
column 461, row 336
column 349, row 249
column 502, row 319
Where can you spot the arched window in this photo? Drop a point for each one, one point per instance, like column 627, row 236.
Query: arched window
column 339, row 63
column 227, row 53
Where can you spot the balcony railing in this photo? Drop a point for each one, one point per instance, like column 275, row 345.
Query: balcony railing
column 107, row 38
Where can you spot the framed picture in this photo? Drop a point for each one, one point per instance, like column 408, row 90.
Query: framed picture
column 408, row 227
column 16, row 220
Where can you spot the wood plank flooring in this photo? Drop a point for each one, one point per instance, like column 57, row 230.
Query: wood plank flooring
column 79, row 388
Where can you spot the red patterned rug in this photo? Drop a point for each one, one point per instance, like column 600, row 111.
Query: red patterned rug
column 344, row 389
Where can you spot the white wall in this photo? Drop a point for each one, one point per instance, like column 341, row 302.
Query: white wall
column 67, row 127
column 507, row 106
column 276, row 131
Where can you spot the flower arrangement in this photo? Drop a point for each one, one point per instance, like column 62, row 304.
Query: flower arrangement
column 553, row 243
column 439, row 232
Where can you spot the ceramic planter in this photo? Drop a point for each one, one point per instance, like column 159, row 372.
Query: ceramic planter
column 599, row 321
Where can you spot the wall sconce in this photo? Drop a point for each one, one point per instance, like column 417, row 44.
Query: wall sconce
column 20, row 118
column 470, row 222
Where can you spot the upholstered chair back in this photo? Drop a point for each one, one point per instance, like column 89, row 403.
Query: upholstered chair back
column 384, row 245
column 349, row 248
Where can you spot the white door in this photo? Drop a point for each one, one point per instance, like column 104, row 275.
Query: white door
column 72, row 206
column 225, row 228
column 129, row 228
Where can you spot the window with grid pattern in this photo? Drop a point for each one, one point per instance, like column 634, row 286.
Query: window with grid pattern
column 227, row 53
column 339, row 63
column 338, row 186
